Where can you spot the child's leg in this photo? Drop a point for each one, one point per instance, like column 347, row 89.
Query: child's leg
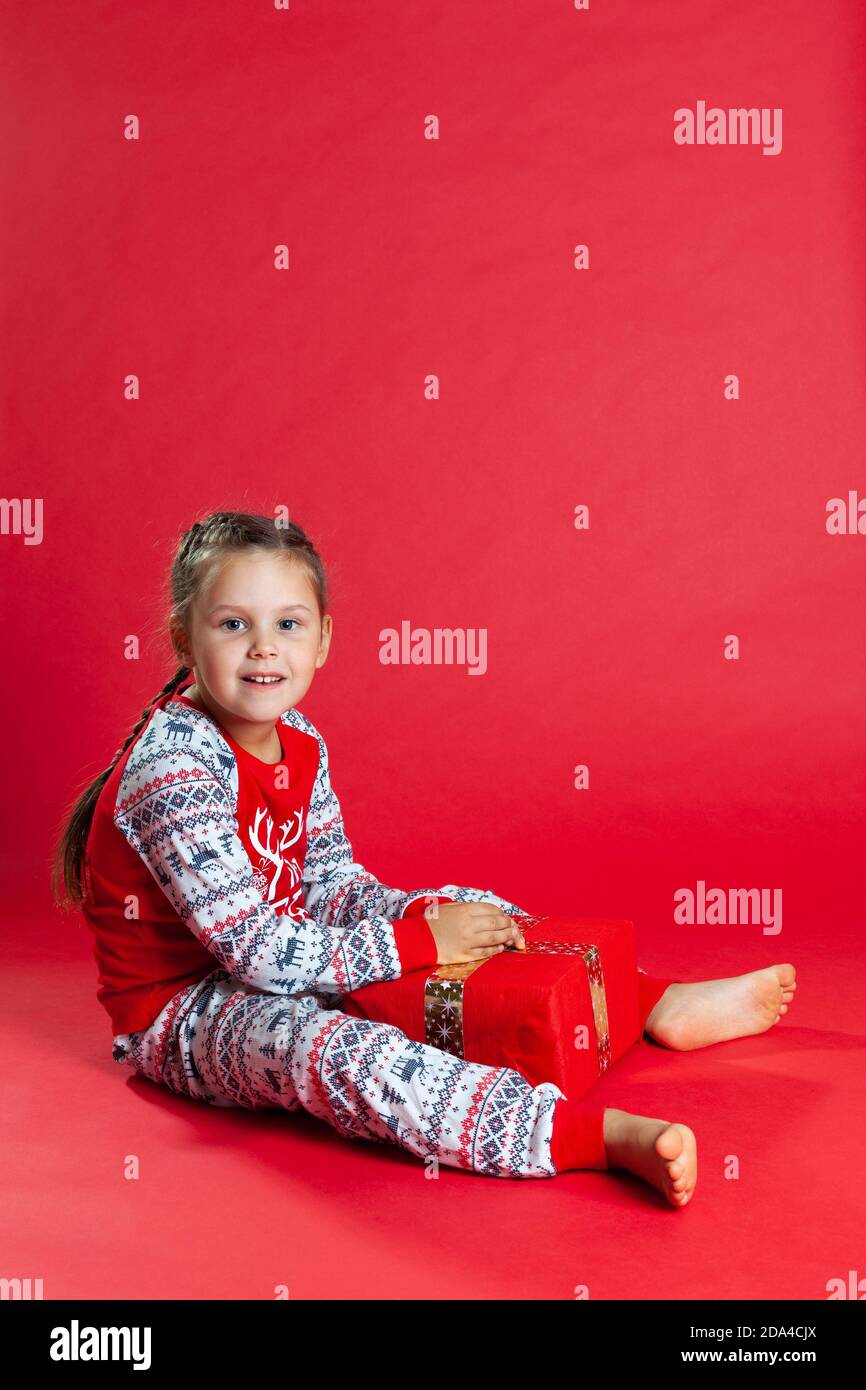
column 163, row 1052
column 222, row 1042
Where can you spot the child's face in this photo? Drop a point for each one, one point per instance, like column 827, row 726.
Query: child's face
column 257, row 614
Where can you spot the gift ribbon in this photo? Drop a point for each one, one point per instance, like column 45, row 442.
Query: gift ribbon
column 443, row 995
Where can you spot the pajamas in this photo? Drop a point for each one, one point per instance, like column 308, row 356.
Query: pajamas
column 227, row 1043
column 232, row 864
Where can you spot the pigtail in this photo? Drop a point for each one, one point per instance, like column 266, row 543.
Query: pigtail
column 69, row 883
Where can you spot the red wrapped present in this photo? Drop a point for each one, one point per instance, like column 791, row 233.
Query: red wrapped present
column 563, row 1010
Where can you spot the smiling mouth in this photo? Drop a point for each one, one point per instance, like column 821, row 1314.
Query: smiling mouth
column 263, row 680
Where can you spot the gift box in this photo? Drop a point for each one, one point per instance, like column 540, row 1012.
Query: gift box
column 564, row 1010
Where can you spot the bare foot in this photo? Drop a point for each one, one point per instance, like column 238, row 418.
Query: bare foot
column 661, row 1153
column 713, row 1011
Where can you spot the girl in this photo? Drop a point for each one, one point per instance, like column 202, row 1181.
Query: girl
column 211, row 864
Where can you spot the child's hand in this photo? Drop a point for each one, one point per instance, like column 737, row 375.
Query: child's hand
column 471, row 931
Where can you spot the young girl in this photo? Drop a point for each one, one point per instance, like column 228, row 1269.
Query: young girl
column 211, row 863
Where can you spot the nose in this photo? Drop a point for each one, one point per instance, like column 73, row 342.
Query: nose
column 263, row 644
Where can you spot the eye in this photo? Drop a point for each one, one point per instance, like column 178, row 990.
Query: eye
column 225, row 621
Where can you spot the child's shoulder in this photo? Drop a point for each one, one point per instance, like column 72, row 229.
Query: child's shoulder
column 178, row 739
column 296, row 720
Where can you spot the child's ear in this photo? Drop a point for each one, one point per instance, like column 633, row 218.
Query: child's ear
column 180, row 643
column 324, row 640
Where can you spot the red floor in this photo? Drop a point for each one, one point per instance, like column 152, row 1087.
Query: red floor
column 233, row 1204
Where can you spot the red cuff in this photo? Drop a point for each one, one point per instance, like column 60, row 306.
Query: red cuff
column 577, row 1139
column 416, row 944
column 650, row 990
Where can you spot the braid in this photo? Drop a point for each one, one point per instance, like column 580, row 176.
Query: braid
column 70, row 861
column 170, row 685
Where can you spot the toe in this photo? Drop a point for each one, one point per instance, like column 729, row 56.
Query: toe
column 669, row 1144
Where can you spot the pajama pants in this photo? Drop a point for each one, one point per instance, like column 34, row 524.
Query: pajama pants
column 223, row 1042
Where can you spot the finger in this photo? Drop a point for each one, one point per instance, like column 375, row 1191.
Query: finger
column 510, row 937
column 482, row 952
column 479, row 910
column 492, row 938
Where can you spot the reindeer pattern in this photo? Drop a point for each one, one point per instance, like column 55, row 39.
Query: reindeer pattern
column 276, row 871
column 264, row 1027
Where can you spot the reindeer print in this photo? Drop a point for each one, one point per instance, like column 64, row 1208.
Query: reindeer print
column 203, row 854
column 265, row 1029
column 178, row 728
column 276, row 871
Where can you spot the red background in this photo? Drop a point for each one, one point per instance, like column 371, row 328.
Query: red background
column 559, row 387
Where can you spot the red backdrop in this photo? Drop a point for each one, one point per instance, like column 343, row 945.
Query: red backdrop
column 559, row 386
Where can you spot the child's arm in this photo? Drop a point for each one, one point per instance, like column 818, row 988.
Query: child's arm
column 339, row 891
column 176, row 808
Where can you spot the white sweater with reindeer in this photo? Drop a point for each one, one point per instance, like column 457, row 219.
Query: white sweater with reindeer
column 202, row 856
